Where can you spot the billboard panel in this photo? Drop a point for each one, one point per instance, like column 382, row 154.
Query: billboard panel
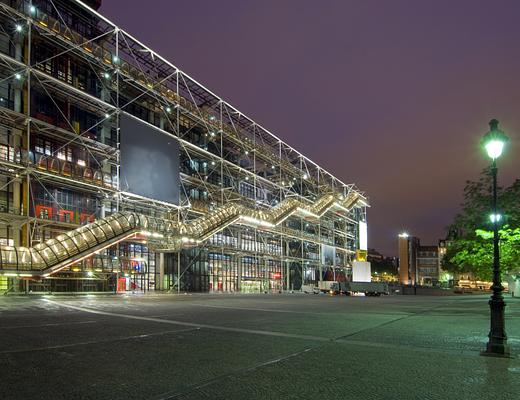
column 328, row 255
column 363, row 236
column 149, row 161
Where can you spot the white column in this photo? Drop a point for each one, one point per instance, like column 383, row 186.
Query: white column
column 161, row 271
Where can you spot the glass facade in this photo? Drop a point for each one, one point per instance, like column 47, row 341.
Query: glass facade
column 254, row 213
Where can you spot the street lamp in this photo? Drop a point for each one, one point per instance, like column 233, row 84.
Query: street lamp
column 494, row 142
column 495, row 218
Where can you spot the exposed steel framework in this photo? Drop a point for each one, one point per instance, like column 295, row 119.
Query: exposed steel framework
column 66, row 76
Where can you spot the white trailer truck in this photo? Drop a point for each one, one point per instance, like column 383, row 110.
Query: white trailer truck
column 361, row 283
column 351, row 288
column 368, row 288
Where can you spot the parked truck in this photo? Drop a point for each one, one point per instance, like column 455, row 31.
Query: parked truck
column 368, row 288
column 350, row 288
column 361, row 282
column 328, row 287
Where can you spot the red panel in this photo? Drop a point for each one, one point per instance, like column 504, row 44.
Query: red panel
column 121, row 285
column 84, row 217
column 43, row 211
column 66, row 215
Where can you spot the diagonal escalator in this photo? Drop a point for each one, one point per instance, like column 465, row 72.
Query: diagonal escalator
column 73, row 246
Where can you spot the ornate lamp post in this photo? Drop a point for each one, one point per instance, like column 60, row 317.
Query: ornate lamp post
column 494, row 142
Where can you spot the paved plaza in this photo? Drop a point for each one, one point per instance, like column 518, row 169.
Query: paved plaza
column 289, row 346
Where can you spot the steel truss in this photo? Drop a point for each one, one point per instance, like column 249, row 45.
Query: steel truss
column 104, row 72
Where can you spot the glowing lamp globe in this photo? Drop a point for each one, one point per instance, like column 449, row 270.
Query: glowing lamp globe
column 495, row 140
column 495, row 218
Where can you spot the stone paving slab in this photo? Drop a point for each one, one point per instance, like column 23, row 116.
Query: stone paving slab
column 254, row 347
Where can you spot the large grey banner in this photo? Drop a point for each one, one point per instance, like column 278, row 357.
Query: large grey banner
column 149, row 161
column 328, row 255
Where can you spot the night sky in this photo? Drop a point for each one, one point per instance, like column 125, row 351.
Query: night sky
column 391, row 95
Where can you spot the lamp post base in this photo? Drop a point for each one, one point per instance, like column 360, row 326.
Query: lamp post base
column 501, row 351
column 497, row 344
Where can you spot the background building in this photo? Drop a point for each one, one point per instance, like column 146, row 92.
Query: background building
column 187, row 193
column 428, row 264
column 418, row 265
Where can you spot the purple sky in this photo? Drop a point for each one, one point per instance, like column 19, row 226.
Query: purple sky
column 391, row 95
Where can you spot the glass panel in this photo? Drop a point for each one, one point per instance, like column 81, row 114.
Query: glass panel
column 37, row 260
column 79, row 241
column 98, row 262
column 97, row 231
column 8, row 257
column 59, row 249
column 107, row 229
column 49, row 256
column 124, row 223
column 69, row 245
column 116, row 226
column 24, row 258
column 87, row 237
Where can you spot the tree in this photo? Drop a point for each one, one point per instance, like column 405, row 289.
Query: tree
column 386, row 265
column 470, row 239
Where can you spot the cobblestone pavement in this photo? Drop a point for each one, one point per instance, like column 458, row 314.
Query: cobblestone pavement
column 288, row 346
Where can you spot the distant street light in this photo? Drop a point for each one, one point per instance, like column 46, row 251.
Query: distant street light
column 495, row 218
column 494, row 142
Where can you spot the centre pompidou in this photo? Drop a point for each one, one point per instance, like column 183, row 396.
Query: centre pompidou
column 118, row 171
